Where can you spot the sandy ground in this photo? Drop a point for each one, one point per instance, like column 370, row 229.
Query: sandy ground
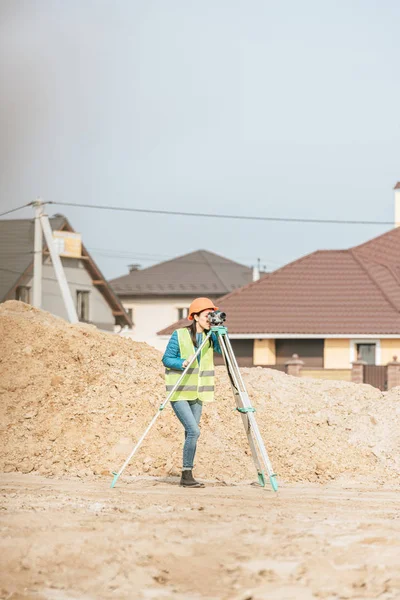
column 150, row 539
column 74, row 400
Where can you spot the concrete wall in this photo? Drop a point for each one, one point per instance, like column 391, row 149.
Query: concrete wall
column 336, row 354
column 264, row 352
column 153, row 314
column 100, row 313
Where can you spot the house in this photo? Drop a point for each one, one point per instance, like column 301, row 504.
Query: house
column 95, row 300
column 329, row 307
column 159, row 295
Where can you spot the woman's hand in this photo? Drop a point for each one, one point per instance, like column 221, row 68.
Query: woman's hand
column 187, row 361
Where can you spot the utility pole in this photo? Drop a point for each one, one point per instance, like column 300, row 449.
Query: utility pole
column 38, row 256
column 59, row 270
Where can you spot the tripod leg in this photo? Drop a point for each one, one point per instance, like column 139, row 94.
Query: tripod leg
column 117, row 474
column 263, row 452
column 247, row 428
column 246, row 423
column 246, row 409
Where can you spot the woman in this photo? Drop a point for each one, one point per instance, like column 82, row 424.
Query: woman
column 198, row 384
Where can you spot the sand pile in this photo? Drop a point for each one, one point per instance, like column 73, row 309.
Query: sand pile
column 74, row 400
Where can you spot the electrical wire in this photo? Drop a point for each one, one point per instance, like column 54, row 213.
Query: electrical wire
column 222, row 216
column 30, row 275
column 15, row 209
column 157, row 259
column 140, row 260
column 30, row 253
column 147, row 257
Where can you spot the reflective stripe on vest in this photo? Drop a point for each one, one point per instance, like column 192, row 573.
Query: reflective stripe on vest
column 198, row 383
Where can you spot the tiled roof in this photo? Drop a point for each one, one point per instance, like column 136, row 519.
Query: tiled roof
column 200, row 273
column 355, row 291
column 397, row 186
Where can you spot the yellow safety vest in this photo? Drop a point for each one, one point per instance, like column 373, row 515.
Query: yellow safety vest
column 198, row 383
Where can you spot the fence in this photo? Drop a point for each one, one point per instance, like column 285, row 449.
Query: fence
column 376, row 375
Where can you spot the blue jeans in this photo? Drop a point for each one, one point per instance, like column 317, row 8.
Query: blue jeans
column 189, row 413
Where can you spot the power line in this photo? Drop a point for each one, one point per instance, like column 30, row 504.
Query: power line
column 221, row 216
column 29, row 275
column 15, row 209
column 30, row 253
column 126, row 255
column 146, row 256
column 141, row 260
column 156, row 258
column 125, row 258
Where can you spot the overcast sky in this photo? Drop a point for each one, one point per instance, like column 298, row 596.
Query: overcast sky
column 288, row 109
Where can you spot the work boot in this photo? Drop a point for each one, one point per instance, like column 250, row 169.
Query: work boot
column 187, row 479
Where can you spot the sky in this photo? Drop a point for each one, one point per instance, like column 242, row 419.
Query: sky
column 246, row 107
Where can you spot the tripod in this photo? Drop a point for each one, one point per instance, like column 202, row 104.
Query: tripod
column 243, row 406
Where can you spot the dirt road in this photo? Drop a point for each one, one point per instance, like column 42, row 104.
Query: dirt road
column 151, row 539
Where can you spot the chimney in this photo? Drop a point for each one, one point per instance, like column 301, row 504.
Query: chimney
column 256, row 271
column 133, row 268
column 397, row 204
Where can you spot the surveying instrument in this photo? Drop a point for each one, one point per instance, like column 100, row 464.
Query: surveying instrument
column 243, row 403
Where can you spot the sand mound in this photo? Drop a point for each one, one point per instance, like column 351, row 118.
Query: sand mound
column 74, row 400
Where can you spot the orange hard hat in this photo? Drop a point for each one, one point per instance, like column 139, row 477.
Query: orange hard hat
column 200, row 304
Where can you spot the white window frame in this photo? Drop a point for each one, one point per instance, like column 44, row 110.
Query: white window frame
column 85, row 294
column 130, row 307
column 129, row 310
column 353, row 345
column 178, row 308
column 27, row 289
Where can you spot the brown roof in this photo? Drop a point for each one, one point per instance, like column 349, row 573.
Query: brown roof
column 200, row 273
column 397, row 186
column 355, row 291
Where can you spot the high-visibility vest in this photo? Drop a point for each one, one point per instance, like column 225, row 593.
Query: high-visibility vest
column 198, row 383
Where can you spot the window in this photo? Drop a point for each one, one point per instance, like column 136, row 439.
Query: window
column 129, row 312
column 310, row 351
column 243, row 350
column 82, row 305
column 23, row 293
column 182, row 313
column 366, row 352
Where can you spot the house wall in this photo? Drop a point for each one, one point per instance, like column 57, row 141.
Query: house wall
column 311, row 351
column 264, row 352
column 333, row 374
column 243, row 351
column 153, row 314
column 337, row 354
column 100, row 313
column 389, row 348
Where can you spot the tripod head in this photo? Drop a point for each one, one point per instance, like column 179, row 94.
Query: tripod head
column 216, row 318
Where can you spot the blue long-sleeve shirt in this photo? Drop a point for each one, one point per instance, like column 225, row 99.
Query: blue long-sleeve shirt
column 172, row 358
